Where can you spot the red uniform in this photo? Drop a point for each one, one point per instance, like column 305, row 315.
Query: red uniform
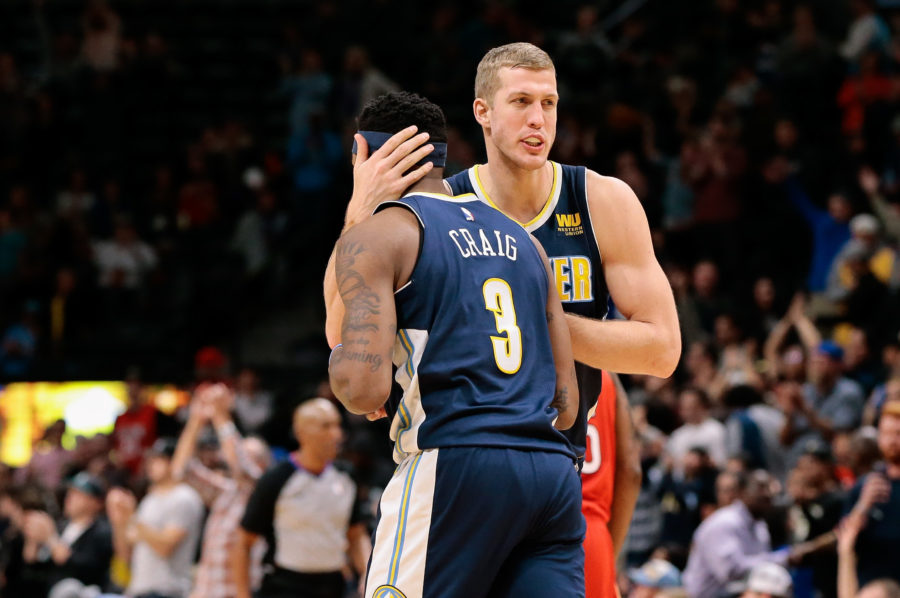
column 597, row 478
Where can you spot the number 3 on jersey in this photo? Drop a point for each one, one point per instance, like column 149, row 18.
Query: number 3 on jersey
column 593, row 458
column 507, row 349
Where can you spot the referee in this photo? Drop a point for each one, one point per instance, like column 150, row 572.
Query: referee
column 309, row 514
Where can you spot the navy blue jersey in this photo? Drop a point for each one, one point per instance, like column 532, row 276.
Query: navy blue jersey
column 473, row 353
column 564, row 228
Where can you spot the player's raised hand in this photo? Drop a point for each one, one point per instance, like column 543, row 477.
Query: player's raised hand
column 383, row 175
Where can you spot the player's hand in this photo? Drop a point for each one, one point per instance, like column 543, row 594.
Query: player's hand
column 380, row 177
column 377, row 414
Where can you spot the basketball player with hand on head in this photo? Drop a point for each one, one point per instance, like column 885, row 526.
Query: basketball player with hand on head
column 578, row 215
column 458, row 297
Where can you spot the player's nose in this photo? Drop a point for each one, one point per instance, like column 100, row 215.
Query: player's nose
column 535, row 116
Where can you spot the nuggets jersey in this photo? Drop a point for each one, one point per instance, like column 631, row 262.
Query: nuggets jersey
column 564, row 228
column 597, row 481
column 473, row 353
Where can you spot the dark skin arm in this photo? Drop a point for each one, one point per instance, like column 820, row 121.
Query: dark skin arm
column 627, row 480
column 369, row 266
column 566, row 398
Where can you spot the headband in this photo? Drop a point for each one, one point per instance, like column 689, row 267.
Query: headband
column 376, row 139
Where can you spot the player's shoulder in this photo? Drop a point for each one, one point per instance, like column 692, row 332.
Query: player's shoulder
column 607, row 189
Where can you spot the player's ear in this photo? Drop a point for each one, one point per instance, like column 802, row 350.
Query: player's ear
column 482, row 112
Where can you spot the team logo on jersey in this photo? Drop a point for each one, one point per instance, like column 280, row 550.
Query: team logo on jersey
column 468, row 215
column 573, row 276
column 388, row 592
column 569, row 224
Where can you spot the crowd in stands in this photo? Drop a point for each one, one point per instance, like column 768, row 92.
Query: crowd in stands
column 172, row 172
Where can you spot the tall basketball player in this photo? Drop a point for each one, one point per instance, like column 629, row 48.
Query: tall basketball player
column 593, row 227
column 485, row 498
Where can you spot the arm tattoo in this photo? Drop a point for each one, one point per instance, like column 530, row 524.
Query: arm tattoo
column 561, row 399
column 549, row 316
column 360, row 302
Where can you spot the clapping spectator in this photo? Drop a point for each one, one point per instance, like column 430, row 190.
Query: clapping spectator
column 252, row 404
column 159, row 536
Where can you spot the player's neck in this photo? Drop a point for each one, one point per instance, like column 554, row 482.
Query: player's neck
column 520, row 194
column 433, row 182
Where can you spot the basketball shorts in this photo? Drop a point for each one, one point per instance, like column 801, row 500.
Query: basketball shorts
column 470, row 522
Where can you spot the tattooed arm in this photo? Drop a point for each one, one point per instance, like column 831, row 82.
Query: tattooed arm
column 369, row 266
column 566, row 398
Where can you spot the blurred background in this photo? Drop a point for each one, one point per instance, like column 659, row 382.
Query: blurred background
column 174, row 173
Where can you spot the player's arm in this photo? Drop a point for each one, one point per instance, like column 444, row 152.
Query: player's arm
column 566, row 397
column 649, row 341
column 377, row 178
column 627, row 479
column 368, row 267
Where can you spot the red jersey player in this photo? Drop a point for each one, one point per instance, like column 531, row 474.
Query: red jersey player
column 611, row 480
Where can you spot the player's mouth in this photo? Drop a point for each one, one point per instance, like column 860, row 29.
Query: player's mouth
column 534, row 143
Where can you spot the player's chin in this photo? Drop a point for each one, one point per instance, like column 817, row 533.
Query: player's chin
column 528, row 159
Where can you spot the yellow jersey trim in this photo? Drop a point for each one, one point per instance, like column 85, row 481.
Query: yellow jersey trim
column 547, row 204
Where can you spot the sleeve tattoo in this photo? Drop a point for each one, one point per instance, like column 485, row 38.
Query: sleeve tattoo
column 361, row 306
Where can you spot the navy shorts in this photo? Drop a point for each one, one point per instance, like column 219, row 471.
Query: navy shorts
column 468, row 522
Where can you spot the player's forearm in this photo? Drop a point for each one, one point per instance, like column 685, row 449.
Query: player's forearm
column 360, row 379
column 628, row 485
column 625, row 346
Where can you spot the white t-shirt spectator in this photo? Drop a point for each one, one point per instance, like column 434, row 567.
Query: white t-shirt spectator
column 130, row 262
column 180, row 506
column 708, row 435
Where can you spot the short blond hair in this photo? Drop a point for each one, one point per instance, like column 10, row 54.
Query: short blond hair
column 518, row 55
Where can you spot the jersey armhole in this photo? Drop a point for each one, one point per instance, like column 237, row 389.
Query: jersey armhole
column 401, row 204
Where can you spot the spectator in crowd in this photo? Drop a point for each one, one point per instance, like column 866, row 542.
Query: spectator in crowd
column 733, row 540
column 159, row 536
column 826, row 404
column 687, row 497
column 136, row 429
column 875, row 503
column 224, row 493
column 816, row 510
column 81, row 547
column 48, row 459
column 698, row 430
column 310, row 514
column 868, row 31
column 124, row 261
column 252, row 405
column 830, row 230
column 753, row 428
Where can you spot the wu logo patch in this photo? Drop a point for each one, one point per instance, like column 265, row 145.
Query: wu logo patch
column 388, row 592
column 468, row 215
column 569, row 224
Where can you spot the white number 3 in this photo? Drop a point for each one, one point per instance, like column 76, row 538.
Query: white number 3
column 507, row 349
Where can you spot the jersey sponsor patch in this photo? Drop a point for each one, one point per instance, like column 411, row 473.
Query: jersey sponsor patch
column 569, row 224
